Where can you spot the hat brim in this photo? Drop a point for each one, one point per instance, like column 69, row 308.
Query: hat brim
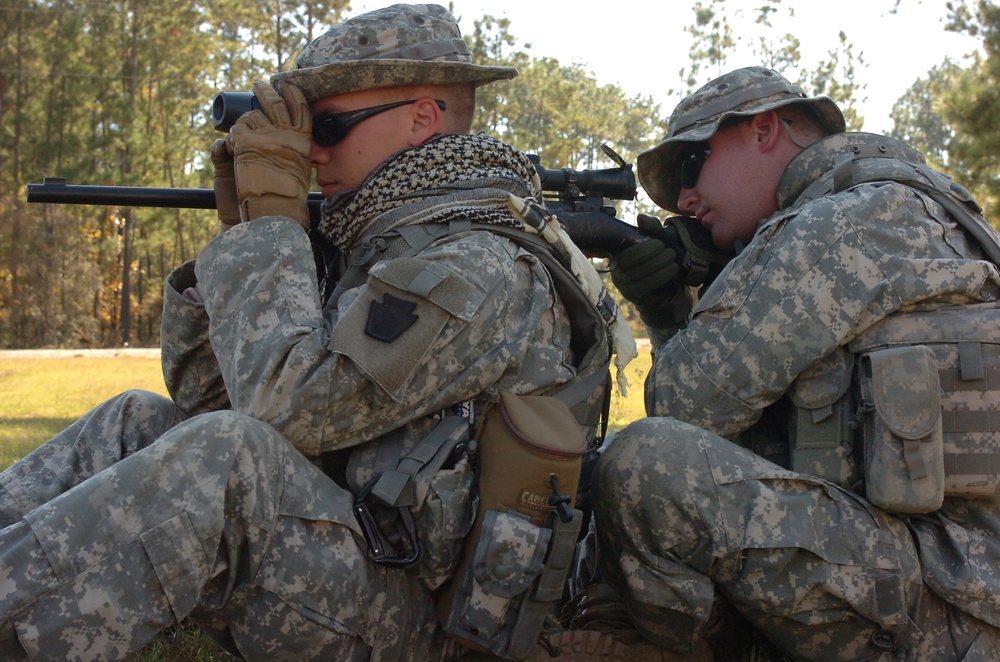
column 655, row 167
column 343, row 77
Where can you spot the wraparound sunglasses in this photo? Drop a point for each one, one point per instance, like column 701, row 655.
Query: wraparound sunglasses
column 330, row 128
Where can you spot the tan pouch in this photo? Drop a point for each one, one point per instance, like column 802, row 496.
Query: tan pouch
column 525, row 442
column 529, row 450
column 902, row 435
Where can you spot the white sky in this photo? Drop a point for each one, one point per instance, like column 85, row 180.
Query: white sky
column 640, row 45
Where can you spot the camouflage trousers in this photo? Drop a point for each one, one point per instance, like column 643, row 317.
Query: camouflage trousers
column 686, row 518
column 134, row 519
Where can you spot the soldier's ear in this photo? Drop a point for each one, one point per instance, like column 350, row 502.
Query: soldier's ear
column 766, row 129
column 426, row 120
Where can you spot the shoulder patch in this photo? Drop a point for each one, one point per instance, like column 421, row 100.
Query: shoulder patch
column 399, row 316
column 390, row 318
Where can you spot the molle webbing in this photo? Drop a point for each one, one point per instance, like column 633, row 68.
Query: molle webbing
column 965, row 341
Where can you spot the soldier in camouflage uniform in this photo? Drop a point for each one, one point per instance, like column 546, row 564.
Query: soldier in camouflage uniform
column 698, row 503
column 233, row 504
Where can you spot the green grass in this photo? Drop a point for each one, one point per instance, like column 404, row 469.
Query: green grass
column 625, row 410
column 39, row 397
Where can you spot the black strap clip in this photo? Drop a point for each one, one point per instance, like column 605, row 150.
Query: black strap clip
column 379, row 547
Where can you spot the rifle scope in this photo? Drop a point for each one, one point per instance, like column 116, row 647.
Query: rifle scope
column 614, row 183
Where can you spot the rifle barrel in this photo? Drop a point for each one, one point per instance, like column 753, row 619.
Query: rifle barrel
column 597, row 233
column 56, row 190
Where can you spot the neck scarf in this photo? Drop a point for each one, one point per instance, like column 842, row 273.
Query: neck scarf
column 474, row 178
column 449, row 176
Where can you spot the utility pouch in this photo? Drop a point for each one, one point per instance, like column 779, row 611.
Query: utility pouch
column 515, row 563
column 902, row 433
column 417, row 514
column 821, row 437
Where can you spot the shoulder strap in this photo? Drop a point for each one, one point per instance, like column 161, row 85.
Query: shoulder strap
column 868, row 164
column 589, row 335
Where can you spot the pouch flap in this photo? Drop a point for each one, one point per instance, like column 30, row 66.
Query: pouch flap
column 544, row 422
column 824, row 382
column 435, row 282
column 509, row 559
column 906, row 389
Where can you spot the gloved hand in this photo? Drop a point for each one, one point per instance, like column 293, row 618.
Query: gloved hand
column 648, row 274
column 227, row 202
column 271, row 148
column 702, row 260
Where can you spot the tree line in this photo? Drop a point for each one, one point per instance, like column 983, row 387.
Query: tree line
column 118, row 92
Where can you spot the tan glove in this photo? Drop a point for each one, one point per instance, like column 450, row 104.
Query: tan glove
column 227, row 202
column 272, row 147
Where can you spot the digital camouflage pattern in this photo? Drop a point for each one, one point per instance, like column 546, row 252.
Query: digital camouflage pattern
column 325, row 383
column 903, row 446
column 685, row 513
column 120, row 427
column 226, row 518
column 967, row 374
column 389, row 47
column 688, row 517
column 814, row 169
column 779, row 306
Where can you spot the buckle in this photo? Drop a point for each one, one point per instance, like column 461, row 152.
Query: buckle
column 378, row 545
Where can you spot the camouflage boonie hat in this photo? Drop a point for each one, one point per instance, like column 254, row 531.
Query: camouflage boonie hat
column 741, row 93
column 397, row 45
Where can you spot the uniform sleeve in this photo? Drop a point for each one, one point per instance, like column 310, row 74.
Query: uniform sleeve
column 190, row 369
column 807, row 284
column 423, row 333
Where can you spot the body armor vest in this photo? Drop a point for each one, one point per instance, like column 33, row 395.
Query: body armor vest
column 909, row 411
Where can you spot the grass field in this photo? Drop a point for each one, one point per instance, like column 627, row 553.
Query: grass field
column 41, row 396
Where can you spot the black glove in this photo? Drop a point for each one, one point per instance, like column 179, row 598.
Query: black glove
column 649, row 275
column 702, row 260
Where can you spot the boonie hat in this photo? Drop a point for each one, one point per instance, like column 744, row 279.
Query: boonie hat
column 397, row 45
column 741, row 93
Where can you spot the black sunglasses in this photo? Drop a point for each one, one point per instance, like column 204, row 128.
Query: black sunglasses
column 689, row 162
column 692, row 156
column 330, row 128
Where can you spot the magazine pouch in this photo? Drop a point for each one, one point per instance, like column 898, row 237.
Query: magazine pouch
column 902, row 433
column 515, row 563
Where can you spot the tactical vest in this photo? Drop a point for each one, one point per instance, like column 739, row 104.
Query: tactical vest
column 510, row 572
column 909, row 412
column 589, row 392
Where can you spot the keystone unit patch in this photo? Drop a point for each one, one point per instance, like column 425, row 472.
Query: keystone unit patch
column 390, row 318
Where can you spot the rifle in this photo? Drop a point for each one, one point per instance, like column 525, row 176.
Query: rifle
column 578, row 199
